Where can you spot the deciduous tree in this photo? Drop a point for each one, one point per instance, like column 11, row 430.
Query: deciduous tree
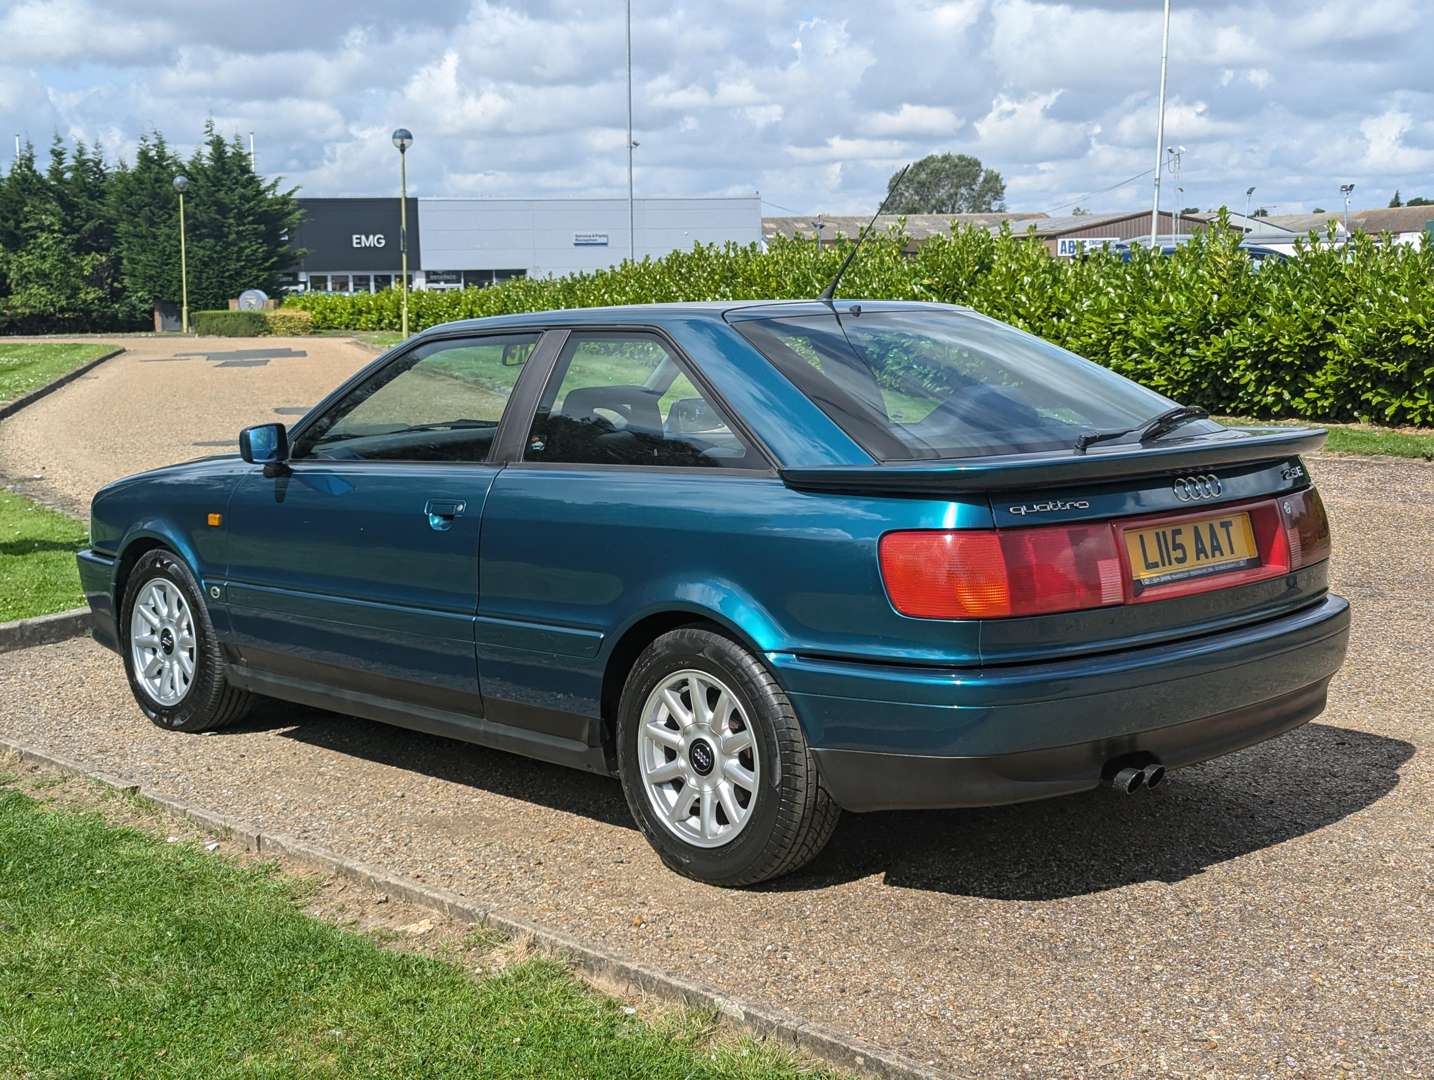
column 948, row 184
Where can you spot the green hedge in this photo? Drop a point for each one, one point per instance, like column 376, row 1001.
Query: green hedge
column 289, row 322
column 284, row 322
column 1337, row 333
column 229, row 323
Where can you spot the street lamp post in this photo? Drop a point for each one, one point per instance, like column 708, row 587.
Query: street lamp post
column 403, row 139
column 1248, row 192
column 1160, row 126
column 631, row 216
column 1176, row 154
column 1346, row 190
column 180, row 183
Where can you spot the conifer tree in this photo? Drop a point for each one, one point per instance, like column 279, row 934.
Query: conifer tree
column 144, row 212
column 50, row 283
column 238, row 223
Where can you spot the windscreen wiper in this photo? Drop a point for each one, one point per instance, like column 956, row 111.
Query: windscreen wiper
column 1153, row 428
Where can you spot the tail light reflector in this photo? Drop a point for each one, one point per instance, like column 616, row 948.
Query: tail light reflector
column 984, row 574
column 940, row 574
column 1306, row 527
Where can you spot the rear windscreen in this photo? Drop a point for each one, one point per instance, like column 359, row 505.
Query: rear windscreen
column 913, row 385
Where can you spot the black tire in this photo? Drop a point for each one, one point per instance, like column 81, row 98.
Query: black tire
column 210, row 702
column 794, row 817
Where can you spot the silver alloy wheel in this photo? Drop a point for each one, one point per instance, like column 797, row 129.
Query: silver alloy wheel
column 162, row 646
column 698, row 759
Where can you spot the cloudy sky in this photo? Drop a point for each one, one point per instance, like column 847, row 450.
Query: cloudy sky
column 814, row 105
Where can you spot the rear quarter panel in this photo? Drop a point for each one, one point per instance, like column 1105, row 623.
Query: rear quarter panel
column 572, row 557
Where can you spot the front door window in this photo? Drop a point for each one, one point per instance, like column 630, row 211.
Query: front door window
column 441, row 401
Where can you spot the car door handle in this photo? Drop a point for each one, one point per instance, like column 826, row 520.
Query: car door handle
column 441, row 512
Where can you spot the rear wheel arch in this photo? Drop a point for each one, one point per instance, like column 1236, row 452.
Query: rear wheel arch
column 692, row 808
column 635, row 639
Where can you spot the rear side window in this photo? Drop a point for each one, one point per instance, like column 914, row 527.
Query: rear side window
column 623, row 399
column 914, row 385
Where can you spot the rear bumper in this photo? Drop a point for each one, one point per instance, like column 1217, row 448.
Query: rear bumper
column 901, row 737
column 97, row 579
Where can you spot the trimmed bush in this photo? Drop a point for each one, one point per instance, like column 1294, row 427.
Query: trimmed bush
column 289, row 322
column 229, row 323
column 1338, row 333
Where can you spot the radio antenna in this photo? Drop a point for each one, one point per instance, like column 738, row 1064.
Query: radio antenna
column 829, row 293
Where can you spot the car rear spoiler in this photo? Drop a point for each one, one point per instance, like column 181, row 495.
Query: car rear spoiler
column 1017, row 471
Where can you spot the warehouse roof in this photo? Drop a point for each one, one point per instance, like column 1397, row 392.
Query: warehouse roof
column 1393, row 219
column 1303, row 223
column 918, row 226
column 1047, row 227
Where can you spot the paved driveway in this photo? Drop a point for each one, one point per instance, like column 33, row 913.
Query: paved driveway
column 1268, row 914
column 165, row 400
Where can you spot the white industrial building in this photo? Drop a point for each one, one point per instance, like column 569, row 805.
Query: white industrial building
column 352, row 244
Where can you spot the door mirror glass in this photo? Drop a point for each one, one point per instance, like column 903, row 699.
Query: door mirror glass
column 264, row 444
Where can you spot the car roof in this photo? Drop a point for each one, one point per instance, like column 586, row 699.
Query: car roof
column 628, row 314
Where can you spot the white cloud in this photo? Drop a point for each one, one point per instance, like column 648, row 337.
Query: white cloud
column 1385, row 144
column 840, row 148
column 1020, row 129
column 64, row 31
column 914, row 120
column 764, row 115
column 814, row 106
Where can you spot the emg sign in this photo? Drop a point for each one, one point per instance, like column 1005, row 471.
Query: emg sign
column 343, row 236
column 1069, row 247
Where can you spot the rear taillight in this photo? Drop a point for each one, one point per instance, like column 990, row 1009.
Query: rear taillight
column 981, row 574
column 993, row 574
column 1306, row 527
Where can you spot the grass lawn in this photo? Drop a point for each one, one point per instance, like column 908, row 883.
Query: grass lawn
column 379, row 339
column 26, row 366
column 1362, row 438
column 124, row 956
column 37, row 559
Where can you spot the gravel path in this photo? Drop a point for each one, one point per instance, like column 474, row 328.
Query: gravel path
column 1269, row 914
column 165, row 400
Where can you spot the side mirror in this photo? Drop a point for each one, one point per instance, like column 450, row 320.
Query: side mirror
column 264, row 444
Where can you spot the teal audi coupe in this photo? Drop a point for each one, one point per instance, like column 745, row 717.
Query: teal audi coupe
column 762, row 562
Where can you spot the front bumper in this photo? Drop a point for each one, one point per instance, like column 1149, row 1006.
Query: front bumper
column 905, row 737
column 97, row 579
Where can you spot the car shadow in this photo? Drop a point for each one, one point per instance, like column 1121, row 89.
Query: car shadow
column 1202, row 816
column 509, row 775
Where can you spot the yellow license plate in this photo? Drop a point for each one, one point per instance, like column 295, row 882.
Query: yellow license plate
column 1179, row 551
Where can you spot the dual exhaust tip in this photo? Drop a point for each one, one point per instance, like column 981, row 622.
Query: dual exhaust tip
column 1128, row 775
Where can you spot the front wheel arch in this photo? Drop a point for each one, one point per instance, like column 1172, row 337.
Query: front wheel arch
column 209, row 700
column 124, row 566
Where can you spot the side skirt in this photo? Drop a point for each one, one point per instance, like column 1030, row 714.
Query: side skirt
column 470, row 729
